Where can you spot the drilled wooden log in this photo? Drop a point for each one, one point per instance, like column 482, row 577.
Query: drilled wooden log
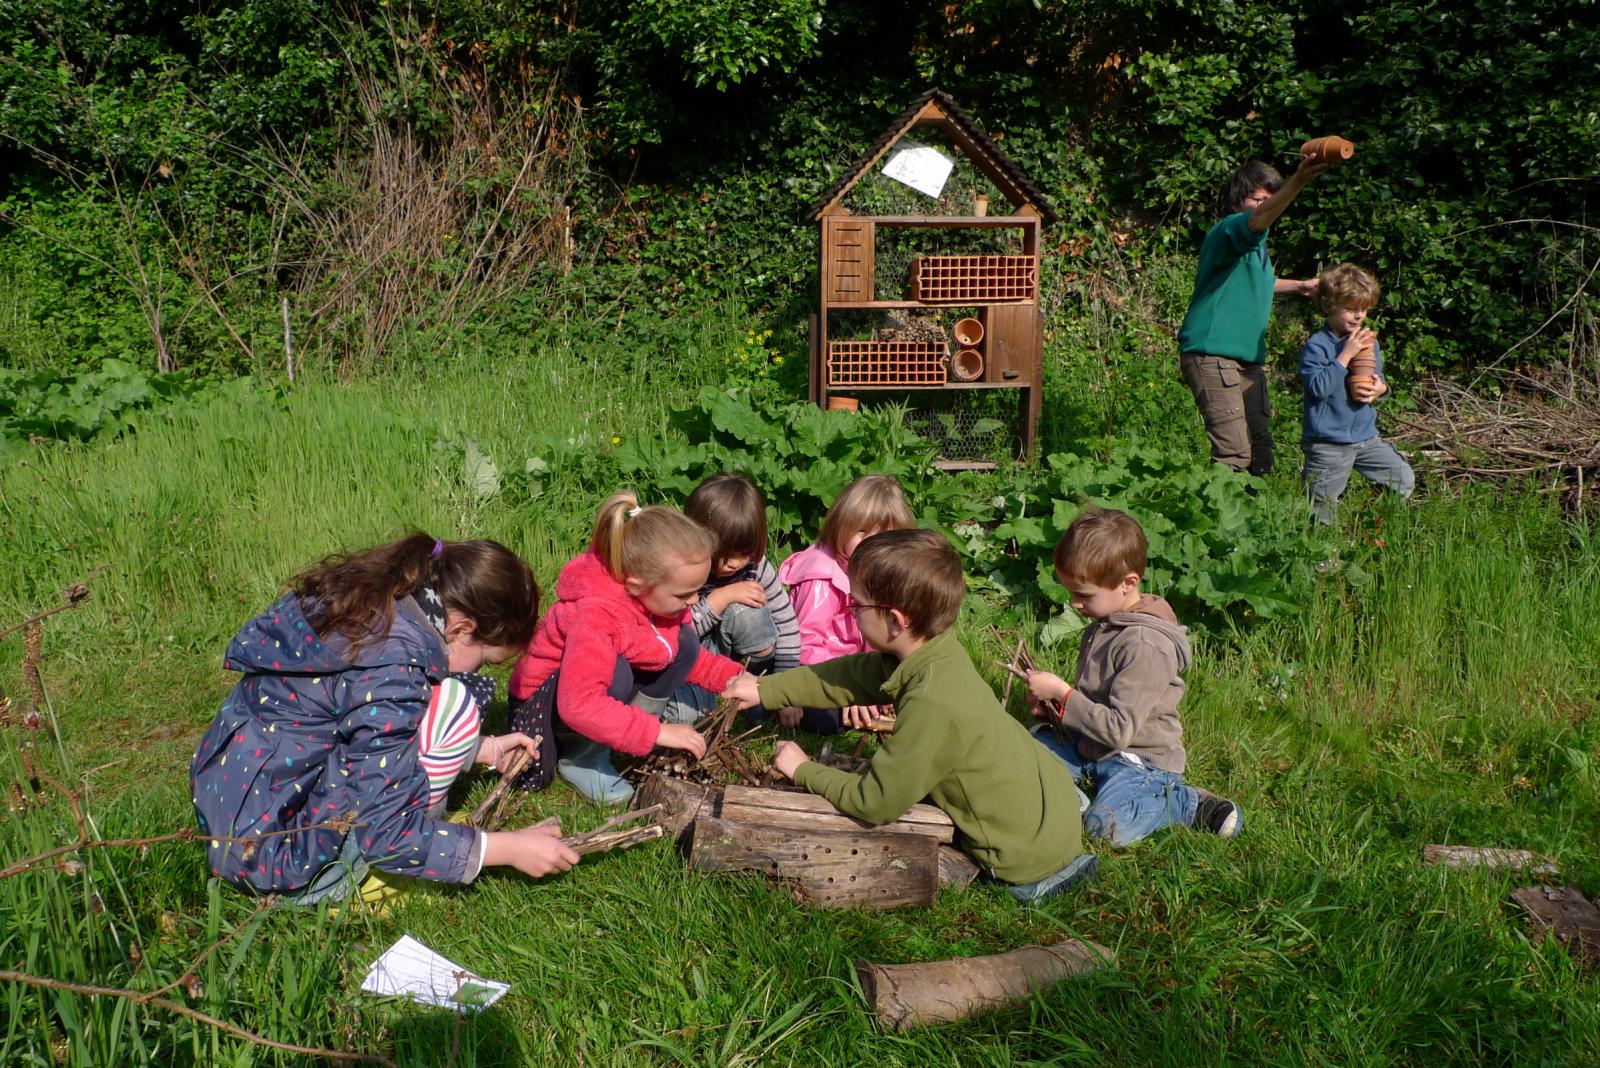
column 1563, row 913
column 808, row 812
column 956, row 869
column 824, row 869
column 1457, row 856
column 904, row 996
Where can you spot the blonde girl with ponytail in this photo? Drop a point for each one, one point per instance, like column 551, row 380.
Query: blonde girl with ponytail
column 601, row 669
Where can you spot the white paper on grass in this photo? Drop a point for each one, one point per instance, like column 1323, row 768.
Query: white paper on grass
column 923, row 169
column 411, row 969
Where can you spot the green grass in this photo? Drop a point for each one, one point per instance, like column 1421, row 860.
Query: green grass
column 1452, row 698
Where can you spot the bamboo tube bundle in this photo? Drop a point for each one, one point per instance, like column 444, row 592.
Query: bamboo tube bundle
column 906, row 996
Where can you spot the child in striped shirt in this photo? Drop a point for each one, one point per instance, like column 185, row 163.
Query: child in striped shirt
column 743, row 611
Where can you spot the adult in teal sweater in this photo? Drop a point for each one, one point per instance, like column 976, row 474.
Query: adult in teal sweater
column 1015, row 808
column 1222, row 344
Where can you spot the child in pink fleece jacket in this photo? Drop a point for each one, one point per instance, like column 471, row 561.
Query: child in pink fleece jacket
column 608, row 655
column 819, row 587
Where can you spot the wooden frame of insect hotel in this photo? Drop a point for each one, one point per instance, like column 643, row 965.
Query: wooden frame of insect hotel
column 989, row 278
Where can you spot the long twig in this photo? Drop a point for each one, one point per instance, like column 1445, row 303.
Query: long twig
column 174, row 1007
column 188, row 834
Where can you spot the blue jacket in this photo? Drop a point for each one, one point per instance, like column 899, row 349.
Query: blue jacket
column 1330, row 413
column 312, row 734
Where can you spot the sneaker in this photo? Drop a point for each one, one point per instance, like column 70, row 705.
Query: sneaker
column 1217, row 815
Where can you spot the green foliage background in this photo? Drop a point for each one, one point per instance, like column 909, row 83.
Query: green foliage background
column 707, row 127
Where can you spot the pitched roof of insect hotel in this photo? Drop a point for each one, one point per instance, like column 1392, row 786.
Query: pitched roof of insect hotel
column 934, row 108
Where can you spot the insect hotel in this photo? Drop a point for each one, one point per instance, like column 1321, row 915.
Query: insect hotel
column 926, row 295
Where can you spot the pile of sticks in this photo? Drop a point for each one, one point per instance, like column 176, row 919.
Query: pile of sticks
column 725, row 755
column 1543, row 426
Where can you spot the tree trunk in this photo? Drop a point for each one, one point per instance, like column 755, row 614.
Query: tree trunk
column 904, row 996
column 825, row 869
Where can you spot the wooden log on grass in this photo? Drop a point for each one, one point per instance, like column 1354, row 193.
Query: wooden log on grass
column 904, row 996
column 1458, row 856
column 824, row 869
column 1563, row 913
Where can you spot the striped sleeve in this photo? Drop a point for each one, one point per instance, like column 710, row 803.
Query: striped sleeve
column 447, row 738
column 787, row 653
column 702, row 615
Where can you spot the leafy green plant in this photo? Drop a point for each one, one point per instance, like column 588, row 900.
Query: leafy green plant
column 1217, row 552
column 79, row 406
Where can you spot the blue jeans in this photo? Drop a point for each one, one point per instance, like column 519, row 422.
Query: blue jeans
column 1131, row 801
column 1328, row 465
column 741, row 632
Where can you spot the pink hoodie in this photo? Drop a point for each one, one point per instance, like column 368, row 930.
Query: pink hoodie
column 818, row 587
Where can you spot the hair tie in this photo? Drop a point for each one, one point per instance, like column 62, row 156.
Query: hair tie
column 634, row 511
column 438, row 548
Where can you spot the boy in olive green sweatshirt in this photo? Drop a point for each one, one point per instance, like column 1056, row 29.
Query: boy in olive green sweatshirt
column 1014, row 805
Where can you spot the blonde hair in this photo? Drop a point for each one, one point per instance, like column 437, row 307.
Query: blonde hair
column 1102, row 546
column 646, row 543
column 871, row 502
column 1346, row 285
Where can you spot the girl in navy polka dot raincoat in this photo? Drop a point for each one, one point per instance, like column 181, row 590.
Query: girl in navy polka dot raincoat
column 326, row 737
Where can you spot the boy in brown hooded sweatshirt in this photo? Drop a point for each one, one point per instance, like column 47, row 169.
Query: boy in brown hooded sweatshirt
column 1118, row 728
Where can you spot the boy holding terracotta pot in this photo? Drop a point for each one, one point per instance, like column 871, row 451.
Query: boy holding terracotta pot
column 1341, row 371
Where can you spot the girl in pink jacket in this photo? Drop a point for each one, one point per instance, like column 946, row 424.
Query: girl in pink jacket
column 819, row 582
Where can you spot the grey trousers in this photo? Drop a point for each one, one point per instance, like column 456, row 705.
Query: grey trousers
column 1329, row 463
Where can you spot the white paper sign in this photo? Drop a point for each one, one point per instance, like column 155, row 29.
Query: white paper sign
column 923, row 169
column 411, row 969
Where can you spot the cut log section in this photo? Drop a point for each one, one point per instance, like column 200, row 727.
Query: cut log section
column 1483, row 857
column 905, row 996
column 825, row 869
column 1562, row 912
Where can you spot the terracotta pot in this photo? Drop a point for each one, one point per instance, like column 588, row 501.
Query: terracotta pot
column 968, row 332
column 1354, row 381
column 1363, row 365
column 843, row 404
column 967, row 365
column 1327, row 150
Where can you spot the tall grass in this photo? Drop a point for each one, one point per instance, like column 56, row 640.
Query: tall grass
column 1451, row 698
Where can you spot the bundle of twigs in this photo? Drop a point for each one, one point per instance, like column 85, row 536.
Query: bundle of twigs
column 603, row 839
column 491, row 811
column 1017, row 667
column 1544, row 426
column 725, row 756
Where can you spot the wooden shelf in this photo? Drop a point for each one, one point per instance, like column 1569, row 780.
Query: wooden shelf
column 930, row 388
column 858, row 305
column 968, row 222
